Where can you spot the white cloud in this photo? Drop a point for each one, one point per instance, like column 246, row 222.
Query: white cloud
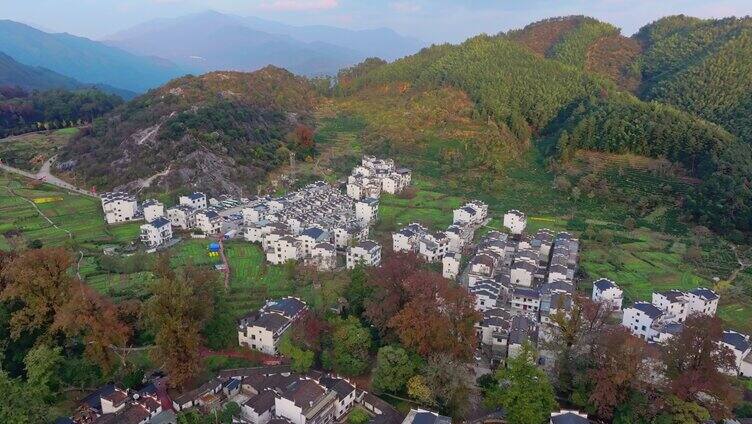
column 298, row 5
column 404, row 7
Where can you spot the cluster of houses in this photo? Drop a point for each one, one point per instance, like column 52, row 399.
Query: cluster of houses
column 375, row 175
column 519, row 281
column 443, row 246
column 261, row 330
column 266, row 395
column 111, row 404
column 664, row 316
column 312, row 225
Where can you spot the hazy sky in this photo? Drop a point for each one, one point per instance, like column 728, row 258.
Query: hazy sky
column 429, row 20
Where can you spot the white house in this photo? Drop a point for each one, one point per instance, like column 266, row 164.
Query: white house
column 310, row 237
column 739, row 344
column 286, row 248
column 366, row 252
column 673, row 303
column 119, row 207
column 344, row 236
column 486, row 293
column 156, row 232
column 208, row 221
column 182, row 217
column 473, row 213
column 607, row 292
column 114, row 401
column 450, row 265
column 306, row 402
column 259, row 409
column 526, row 299
column 422, row 416
column 195, row 200
column 640, row 318
column 366, row 210
column 153, row 209
column 522, row 273
column 262, row 329
column 702, row 301
column 323, row 257
column 516, row 221
column 345, row 394
column 433, row 247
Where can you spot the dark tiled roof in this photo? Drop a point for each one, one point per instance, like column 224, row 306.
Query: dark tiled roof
column 738, row 340
column 313, row 232
column 340, row 386
column 304, row 393
column 649, row 309
column 704, row 293
column 261, row 402
column 569, row 418
column 287, row 306
column 604, row 284
column 673, row 295
column 160, row 222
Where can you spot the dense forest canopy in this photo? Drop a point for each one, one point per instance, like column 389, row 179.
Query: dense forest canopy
column 21, row 111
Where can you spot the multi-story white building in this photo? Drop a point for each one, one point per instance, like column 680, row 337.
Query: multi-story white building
column 323, row 256
column 450, row 265
column 673, row 303
column 153, row 209
column 472, row 213
column 310, row 237
column 367, row 210
column 262, row 329
column 741, row 346
column 119, row 207
column 515, row 221
column 306, row 402
column 375, row 175
column 208, row 221
column 195, row 200
column 522, row 273
column 607, row 292
column 641, row 318
column 702, row 301
column 525, row 299
column 156, row 232
column 182, row 217
column 286, row 248
column 365, row 252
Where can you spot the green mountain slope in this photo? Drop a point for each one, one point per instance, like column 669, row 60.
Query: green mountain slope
column 531, row 95
column 220, row 132
column 703, row 67
column 16, row 74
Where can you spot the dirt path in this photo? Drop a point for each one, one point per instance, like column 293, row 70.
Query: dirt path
column 224, row 261
column 45, row 175
column 742, row 265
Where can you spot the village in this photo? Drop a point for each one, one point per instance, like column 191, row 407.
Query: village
column 519, row 281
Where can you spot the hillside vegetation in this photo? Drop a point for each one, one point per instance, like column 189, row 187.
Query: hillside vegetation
column 703, row 67
column 221, row 132
column 527, row 94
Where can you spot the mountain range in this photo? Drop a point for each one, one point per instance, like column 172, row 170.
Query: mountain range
column 17, row 74
column 211, row 40
column 85, row 60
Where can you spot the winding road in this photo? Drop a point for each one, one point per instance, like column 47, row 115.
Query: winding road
column 45, row 175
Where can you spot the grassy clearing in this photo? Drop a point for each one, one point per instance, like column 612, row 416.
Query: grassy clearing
column 30, row 151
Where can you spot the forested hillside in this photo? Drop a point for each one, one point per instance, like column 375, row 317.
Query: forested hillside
column 530, row 95
column 21, row 111
column 220, row 132
column 703, row 67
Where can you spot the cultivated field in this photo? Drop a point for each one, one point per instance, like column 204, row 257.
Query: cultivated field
column 30, row 151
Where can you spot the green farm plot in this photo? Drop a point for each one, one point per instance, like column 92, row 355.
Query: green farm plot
column 737, row 315
column 29, row 151
column 252, row 279
column 639, row 267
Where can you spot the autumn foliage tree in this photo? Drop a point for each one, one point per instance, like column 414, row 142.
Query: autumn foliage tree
column 53, row 304
column 695, row 362
column 620, row 368
column 439, row 317
column 389, row 295
column 181, row 303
